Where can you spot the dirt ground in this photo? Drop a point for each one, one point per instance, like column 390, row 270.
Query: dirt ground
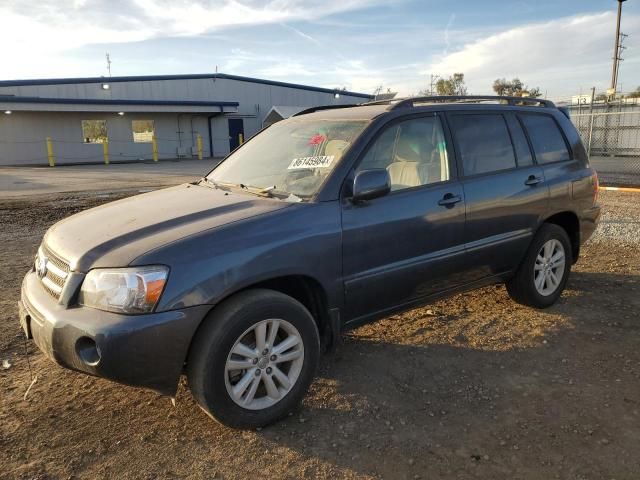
column 474, row 386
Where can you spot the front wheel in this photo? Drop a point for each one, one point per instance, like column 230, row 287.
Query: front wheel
column 253, row 359
column 543, row 274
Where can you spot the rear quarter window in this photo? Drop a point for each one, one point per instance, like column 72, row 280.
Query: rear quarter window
column 523, row 152
column 546, row 138
column 483, row 141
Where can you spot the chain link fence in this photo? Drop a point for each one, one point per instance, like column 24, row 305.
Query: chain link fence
column 611, row 135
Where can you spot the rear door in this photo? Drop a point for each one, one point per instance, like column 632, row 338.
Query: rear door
column 505, row 191
column 399, row 248
column 552, row 153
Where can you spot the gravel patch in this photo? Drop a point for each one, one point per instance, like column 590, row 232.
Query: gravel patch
column 620, row 219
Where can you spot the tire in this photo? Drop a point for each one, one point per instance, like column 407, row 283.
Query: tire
column 244, row 318
column 523, row 287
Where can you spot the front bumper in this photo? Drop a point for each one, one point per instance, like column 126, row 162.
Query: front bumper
column 141, row 350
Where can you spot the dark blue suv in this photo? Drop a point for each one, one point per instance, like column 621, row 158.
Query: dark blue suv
column 324, row 221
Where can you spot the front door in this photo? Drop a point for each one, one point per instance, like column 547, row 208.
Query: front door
column 236, row 133
column 404, row 246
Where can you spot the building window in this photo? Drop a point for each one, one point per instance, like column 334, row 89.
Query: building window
column 142, row 131
column 94, row 131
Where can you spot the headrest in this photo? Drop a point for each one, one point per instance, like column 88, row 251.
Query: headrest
column 336, row 148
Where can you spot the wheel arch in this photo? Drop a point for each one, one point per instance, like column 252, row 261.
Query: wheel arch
column 309, row 292
column 568, row 221
column 303, row 288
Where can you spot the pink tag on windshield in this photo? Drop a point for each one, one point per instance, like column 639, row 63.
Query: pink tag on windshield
column 317, row 139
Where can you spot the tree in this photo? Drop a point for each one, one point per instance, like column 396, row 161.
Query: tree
column 514, row 88
column 501, row 86
column 454, row 85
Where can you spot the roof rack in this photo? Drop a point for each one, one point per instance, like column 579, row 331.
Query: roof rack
column 513, row 101
column 386, row 101
column 396, row 103
column 323, row 107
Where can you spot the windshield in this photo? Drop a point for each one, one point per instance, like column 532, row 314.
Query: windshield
column 293, row 157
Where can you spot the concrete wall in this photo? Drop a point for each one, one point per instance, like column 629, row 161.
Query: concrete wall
column 22, row 137
column 22, row 133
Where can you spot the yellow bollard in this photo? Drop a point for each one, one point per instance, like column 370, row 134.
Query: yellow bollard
column 52, row 159
column 241, row 138
column 105, row 150
column 199, row 139
column 154, row 148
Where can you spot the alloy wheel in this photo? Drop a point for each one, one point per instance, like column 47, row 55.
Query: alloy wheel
column 264, row 364
column 548, row 269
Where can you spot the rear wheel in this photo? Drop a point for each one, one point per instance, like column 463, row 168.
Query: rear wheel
column 254, row 358
column 543, row 274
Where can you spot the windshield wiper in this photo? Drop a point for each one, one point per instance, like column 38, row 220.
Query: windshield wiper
column 267, row 189
column 270, row 191
column 220, row 185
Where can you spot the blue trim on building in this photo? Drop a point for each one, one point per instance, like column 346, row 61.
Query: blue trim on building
column 195, row 76
column 101, row 101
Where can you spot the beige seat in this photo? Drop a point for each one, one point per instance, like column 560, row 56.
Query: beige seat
column 412, row 171
column 405, row 174
column 336, row 148
column 436, row 168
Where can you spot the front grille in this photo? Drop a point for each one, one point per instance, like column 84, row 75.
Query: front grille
column 56, row 271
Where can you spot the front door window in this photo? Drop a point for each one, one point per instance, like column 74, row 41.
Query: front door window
column 413, row 152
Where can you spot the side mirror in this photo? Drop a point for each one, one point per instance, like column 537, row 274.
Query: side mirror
column 370, row 184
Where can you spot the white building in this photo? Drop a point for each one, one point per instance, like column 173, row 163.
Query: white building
column 78, row 114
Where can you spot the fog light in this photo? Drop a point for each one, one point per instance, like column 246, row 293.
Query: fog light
column 88, row 351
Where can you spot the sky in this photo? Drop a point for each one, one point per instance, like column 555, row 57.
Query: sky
column 564, row 47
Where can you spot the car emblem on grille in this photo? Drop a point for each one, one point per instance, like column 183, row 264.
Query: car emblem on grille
column 41, row 267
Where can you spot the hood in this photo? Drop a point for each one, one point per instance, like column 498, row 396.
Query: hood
column 114, row 234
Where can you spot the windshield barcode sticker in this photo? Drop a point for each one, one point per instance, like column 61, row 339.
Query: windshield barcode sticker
column 320, row 161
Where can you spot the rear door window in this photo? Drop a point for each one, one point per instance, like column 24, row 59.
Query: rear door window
column 547, row 140
column 483, row 141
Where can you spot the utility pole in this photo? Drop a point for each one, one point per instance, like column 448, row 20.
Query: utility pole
column 593, row 99
column 616, row 53
column 433, row 80
column 621, row 48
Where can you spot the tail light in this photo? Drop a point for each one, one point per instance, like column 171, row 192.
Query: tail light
column 596, row 186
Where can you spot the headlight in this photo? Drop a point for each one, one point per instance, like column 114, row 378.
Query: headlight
column 125, row 290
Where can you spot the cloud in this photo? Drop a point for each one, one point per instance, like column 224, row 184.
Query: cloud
column 301, row 34
column 40, row 41
column 560, row 56
column 191, row 17
column 452, row 18
column 305, row 41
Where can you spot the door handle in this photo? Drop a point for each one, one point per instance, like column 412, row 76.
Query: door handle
column 449, row 200
column 532, row 180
